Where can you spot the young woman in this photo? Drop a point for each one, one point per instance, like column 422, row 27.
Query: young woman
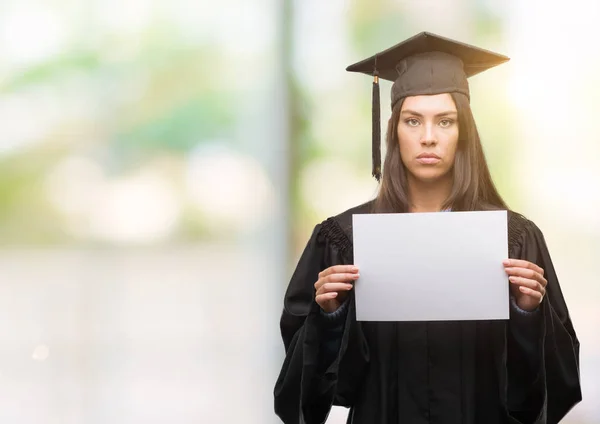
column 523, row 370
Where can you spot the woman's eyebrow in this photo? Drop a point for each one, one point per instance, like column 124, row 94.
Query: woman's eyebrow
column 415, row 113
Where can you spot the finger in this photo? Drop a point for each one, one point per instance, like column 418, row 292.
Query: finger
column 341, row 278
column 531, row 293
column 527, row 273
column 330, row 287
column 337, row 269
column 336, row 278
column 325, row 296
column 520, row 263
column 531, row 284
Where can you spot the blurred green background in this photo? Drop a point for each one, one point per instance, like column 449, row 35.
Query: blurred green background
column 163, row 163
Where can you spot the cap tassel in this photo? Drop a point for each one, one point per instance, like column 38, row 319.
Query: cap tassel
column 376, row 140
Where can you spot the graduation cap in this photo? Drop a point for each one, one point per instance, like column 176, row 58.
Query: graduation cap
column 424, row 64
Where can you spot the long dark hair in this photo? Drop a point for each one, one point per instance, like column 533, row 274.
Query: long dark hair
column 473, row 188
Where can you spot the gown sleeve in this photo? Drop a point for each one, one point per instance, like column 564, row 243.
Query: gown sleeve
column 306, row 388
column 542, row 348
column 331, row 340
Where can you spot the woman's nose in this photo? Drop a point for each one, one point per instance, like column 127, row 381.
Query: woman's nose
column 428, row 137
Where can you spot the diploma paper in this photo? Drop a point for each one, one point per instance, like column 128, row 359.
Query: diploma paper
column 431, row 266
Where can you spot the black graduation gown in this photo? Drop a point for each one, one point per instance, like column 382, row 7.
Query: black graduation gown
column 483, row 372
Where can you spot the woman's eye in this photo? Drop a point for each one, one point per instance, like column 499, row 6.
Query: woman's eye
column 445, row 123
column 412, row 122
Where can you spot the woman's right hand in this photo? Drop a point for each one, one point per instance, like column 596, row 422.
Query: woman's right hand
column 333, row 286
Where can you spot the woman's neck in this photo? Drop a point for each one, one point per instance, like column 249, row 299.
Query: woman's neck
column 428, row 196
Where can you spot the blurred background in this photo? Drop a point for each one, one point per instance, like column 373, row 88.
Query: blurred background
column 163, row 163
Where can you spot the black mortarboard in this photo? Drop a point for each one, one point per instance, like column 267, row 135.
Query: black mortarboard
column 422, row 65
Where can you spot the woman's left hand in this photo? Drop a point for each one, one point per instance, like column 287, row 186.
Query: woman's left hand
column 528, row 284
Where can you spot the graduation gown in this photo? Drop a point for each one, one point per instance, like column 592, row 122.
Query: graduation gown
column 521, row 370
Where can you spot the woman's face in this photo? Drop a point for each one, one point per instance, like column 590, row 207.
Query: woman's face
column 428, row 136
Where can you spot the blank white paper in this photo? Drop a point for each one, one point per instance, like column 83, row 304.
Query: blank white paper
column 443, row 266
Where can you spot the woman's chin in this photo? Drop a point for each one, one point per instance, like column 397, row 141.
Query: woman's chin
column 429, row 176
